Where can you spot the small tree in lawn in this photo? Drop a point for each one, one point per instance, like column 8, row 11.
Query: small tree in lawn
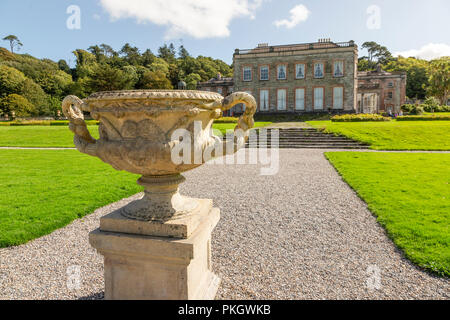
column 14, row 42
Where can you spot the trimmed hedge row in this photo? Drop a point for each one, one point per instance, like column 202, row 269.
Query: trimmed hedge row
column 424, row 118
column 43, row 123
column 359, row 118
column 227, row 120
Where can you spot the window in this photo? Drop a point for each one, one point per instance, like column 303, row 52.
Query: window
column 281, row 102
column 264, row 100
column 247, row 74
column 300, row 71
column 219, row 90
column 281, row 72
column 300, row 99
column 390, row 95
column 318, row 70
column 338, row 69
column 318, row 98
column 264, row 73
column 338, row 98
column 391, row 85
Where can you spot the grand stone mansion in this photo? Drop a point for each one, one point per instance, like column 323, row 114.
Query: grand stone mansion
column 311, row 77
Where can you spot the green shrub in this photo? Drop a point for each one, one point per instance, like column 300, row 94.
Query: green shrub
column 227, row 120
column 407, row 107
column 359, row 118
column 417, row 110
column 425, row 118
column 21, row 122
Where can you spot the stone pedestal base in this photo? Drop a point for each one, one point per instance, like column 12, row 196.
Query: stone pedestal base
column 142, row 266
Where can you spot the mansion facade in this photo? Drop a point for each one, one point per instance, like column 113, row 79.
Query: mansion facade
column 312, row 77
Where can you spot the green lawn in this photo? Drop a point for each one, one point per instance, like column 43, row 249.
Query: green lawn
column 394, row 135
column 42, row 191
column 61, row 136
column 410, row 195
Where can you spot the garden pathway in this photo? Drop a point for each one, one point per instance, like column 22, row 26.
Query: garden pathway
column 300, row 234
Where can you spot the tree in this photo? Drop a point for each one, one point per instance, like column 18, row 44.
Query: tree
column 63, row 66
column 14, row 42
column 131, row 54
column 107, row 78
column 192, row 80
column 17, row 104
column 417, row 75
column 108, row 50
column 167, row 53
column 439, row 81
column 154, row 80
column 377, row 54
column 11, row 80
column 183, row 53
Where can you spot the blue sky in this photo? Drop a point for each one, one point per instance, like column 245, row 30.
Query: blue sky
column 215, row 28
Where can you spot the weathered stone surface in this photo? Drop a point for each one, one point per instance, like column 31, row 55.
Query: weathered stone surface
column 141, row 267
column 136, row 134
column 177, row 228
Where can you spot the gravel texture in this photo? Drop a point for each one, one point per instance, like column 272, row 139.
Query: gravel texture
column 300, row 234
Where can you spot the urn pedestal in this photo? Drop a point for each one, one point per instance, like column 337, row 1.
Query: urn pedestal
column 147, row 260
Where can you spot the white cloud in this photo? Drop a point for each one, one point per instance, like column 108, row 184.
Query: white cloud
column 196, row 18
column 299, row 14
column 428, row 52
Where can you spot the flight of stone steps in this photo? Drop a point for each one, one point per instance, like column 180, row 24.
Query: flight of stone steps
column 299, row 138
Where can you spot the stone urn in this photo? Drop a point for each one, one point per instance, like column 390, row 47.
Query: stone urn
column 147, row 132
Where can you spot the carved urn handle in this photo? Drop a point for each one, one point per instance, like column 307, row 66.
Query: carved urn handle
column 72, row 107
column 245, row 122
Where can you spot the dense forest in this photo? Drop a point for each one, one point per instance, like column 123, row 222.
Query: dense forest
column 36, row 87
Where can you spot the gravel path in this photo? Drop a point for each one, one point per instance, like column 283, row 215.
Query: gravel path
column 301, row 234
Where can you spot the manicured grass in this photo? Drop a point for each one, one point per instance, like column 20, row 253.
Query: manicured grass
column 61, row 136
column 44, row 190
column 394, row 135
column 410, row 195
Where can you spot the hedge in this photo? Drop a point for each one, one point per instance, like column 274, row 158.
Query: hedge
column 359, row 118
column 43, row 123
column 424, row 118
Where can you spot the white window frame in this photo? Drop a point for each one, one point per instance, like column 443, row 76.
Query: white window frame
column 300, row 99
column 249, row 71
column 260, row 73
column 334, row 69
column 296, row 70
column 266, row 92
column 281, row 103
column 323, row 70
column 340, row 104
column 278, row 71
column 316, row 105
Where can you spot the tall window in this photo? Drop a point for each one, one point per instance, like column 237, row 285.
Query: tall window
column 300, row 99
column 318, row 70
column 281, row 101
column 281, row 71
column 338, row 69
column 264, row 100
column 390, row 95
column 247, row 74
column 264, row 73
column 318, row 98
column 300, row 71
column 338, row 97
column 219, row 90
